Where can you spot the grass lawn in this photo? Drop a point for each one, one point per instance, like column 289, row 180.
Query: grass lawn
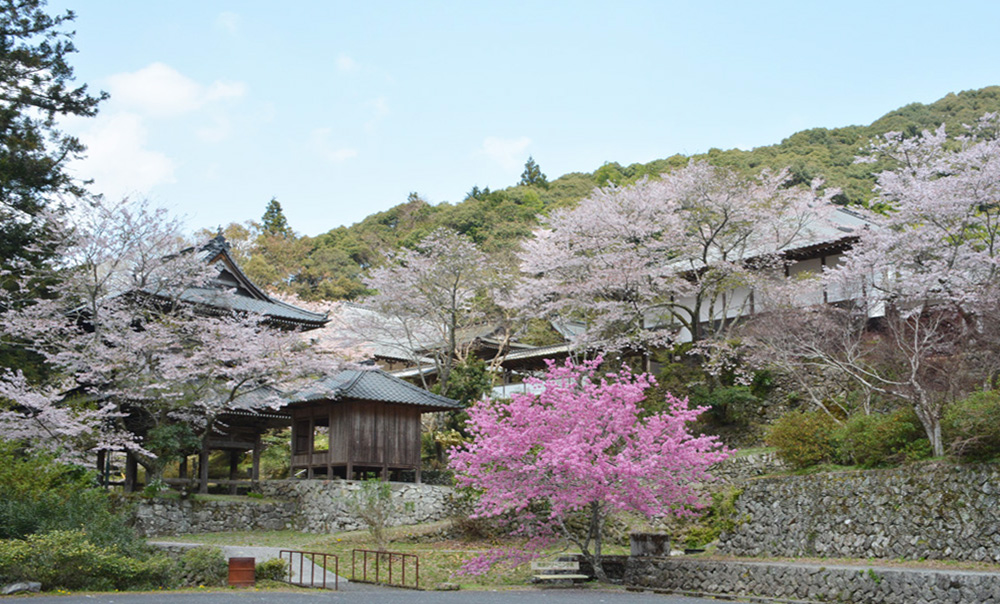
column 440, row 559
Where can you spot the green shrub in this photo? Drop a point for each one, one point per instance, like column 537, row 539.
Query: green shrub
column 971, row 426
column 275, row 569
column 38, row 495
column 204, row 566
column 803, row 438
column 880, row 438
column 67, row 560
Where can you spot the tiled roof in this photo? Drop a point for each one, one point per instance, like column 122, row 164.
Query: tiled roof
column 275, row 309
column 233, row 290
column 372, row 385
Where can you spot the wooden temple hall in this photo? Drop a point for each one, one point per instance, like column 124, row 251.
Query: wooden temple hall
column 356, row 424
column 359, row 424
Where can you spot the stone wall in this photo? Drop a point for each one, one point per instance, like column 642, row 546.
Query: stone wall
column 312, row 506
column 741, row 468
column 175, row 517
column 813, row 583
column 933, row 511
column 322, row 506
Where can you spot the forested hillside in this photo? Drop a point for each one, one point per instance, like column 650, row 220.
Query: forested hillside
column 329, row 266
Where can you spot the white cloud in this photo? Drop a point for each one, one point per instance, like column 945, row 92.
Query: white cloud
column 228, row 22
column 161, row 91
column 346, row 63
column 118, row 160
column 328, row 151
column 508, row 152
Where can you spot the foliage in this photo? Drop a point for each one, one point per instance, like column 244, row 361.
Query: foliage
column 38, row 495
column 719, row 517
column 879, row 439
column 803, row 438
column 430, row 299
column 121, row 334
column 36, row 88
column 927, row 273
column 204, row 566
column 68, row 560
column 468, row 382
column 274, row 222
column 374, row 505
column 582, row 446
column 532, row 175
column 275, row 569
column 641, row 264
column 329, row 265
column 972, row 425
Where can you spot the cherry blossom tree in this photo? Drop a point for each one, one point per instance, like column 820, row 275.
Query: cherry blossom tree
column 127, row 338
column 582, row 446
column 924, row 284
column 638, row 264
column 428, row 296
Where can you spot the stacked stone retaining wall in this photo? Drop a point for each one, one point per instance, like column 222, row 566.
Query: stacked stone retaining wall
column 740, row 468
column 312, row 506
column 175, row 517
column 323, row 506
column 932, row 511
column 813, row 583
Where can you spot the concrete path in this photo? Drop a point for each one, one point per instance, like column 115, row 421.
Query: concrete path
column 310, row 573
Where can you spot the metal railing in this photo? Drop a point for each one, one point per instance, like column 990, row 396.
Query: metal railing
column 384, row 563
column 313, row 561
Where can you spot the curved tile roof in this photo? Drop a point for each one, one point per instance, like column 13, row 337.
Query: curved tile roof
column 372, row 385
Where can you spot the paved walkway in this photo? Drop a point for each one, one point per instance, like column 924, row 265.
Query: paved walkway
column 381, row 596
column 310, row 573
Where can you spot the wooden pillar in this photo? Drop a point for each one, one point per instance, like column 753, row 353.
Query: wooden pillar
column 418, row 474
column 234, row 462
column 203, row 466
column 131, row 473
column 255, row 462
column 182, row 470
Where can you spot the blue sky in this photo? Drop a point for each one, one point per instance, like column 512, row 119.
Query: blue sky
column 340, row 109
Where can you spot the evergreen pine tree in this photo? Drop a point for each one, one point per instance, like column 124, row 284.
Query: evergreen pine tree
column 532, row 175
column 274, row 220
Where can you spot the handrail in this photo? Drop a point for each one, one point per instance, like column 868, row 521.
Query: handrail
column 389, row 557
column 313, row 564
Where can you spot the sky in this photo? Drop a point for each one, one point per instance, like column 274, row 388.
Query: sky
column 341, row 109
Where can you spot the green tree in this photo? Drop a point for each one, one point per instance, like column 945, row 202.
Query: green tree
column 35, row 90
column 274, row 222
column 532, row 175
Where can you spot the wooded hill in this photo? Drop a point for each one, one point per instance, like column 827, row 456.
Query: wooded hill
column 328, row 266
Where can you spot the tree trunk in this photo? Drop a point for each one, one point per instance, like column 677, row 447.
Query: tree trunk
column 931, row 421
column 596, row 530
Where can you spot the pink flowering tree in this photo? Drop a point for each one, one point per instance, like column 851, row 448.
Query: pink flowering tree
column 425, row 298
column 638, row 264
column 924, row 283
column 582, row 446
column 127, row 354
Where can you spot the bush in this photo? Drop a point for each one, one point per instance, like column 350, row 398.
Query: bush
column 881, row 438
column 275, row 569
column 803, row 438
column 67, row 560
column 972, row 426
column 38, row 495
column 204, row 566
